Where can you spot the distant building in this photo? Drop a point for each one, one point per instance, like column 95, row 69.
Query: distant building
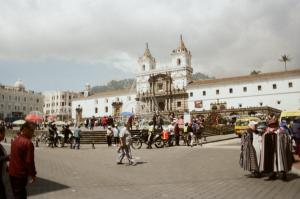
column 59, row 104
column 105, row 103
column 16, row 102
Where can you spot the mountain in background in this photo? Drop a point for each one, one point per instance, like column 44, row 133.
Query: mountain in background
column 131, row 83
column 198, row 76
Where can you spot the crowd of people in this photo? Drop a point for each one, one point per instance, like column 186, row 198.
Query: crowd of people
column 265, row 150
column 268, row 150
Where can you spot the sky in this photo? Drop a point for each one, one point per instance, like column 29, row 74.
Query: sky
column 64, row 44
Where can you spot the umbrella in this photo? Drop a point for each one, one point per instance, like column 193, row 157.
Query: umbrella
column 34, row 118
column 19, row 122
column 36, row 113
column 126, row 114
column 51, row 117
column 59, row 123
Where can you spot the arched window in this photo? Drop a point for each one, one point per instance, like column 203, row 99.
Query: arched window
column 144, row 67
column 178, row 62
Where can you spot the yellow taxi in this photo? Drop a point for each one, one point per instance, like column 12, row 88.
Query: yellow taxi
column 242, row 123
column 289, row 116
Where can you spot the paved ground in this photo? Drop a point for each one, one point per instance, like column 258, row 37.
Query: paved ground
column 211, row 171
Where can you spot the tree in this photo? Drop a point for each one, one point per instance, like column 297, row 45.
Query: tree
column 285, row 58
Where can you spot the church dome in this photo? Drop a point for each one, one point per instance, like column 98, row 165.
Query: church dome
column 19, row 84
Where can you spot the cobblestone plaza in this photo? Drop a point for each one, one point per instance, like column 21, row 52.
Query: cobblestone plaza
column 211, row 171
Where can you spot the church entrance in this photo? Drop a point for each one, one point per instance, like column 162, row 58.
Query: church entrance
column 161, row 106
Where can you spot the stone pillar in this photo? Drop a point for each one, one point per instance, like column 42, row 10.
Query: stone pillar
column 78, row 115
column 166, row 105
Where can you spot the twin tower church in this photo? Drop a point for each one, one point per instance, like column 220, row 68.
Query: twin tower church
column 164, row 89
column 171, row 89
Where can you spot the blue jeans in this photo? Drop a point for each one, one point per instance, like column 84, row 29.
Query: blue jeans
column 77, row 143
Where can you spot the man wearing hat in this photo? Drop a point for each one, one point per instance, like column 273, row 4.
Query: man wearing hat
column 109, row 134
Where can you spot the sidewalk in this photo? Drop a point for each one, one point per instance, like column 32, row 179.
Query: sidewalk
column 217, row 138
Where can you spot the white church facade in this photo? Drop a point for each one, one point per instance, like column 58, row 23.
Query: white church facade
column 171, row 89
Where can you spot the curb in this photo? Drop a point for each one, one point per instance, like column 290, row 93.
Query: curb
column 212, row 141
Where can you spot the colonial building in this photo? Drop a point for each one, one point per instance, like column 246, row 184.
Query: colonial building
column 280, row 90
column 59, row 104
column 164, row 89
column 16, row 102
column 105, row 103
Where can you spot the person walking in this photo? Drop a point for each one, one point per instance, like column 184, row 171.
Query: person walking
column 77, row 134
column 190, row 135
column 109, row 135
column 116, row 133
column 3, row 167
column 22, row 165
column 125, row 143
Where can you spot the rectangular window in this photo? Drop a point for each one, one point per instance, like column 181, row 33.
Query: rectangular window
column 96, row 110
column 106, row 109
column 63, row 103
column 178, row 104
column 230, row 90
column 191, row 94
column 217, row 92
column 290, row 84
column 259, row 87
column 203, row 93
column 274, row 86
column 245, row 89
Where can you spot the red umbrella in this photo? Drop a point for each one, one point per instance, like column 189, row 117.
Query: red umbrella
column 51, row 117
column 34, row 118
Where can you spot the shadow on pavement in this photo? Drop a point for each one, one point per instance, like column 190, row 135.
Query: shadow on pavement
column 292, row 176
column 264, row 176
column 42, row 186
column 140, row 162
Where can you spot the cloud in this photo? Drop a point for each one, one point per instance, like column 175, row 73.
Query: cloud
column 226, row 37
